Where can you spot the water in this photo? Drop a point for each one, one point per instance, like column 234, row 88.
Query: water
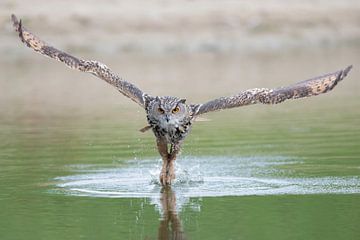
column 201, row 177
column 73, row 164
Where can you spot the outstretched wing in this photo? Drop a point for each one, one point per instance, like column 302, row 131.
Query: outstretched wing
column 307, row 88
column 96, row 68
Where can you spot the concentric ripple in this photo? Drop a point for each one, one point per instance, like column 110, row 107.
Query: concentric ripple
column 200, row 177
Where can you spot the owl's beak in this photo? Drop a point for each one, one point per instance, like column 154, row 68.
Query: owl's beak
column 167, row 117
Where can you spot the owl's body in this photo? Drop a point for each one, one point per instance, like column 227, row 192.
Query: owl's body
column 170, row 118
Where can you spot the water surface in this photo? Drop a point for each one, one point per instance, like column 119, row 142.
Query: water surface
column 73, row 164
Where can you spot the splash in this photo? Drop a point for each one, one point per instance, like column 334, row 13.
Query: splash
column 201, row 177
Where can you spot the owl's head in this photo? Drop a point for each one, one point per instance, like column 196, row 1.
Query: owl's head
column 168, row 111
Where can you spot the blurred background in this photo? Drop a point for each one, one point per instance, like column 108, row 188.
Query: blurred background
column 186, row 27
column 174, row 47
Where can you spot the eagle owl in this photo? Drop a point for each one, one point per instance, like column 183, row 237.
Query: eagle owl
column 171, row 118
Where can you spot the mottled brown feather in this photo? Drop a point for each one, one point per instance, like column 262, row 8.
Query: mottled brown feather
column 96, row 68
column 311, row 87
column 307, row 88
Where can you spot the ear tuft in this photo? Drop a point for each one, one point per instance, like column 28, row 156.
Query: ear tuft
column 183, row 100
column 147, row 98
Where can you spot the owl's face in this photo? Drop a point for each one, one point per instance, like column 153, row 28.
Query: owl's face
column 168, row 112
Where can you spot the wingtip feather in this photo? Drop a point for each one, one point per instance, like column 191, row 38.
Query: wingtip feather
column 347, row 70
column 343, row 73
column 15, row 22
column 18, row 27
column 13, row 18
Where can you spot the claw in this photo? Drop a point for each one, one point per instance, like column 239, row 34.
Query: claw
column 167, row 175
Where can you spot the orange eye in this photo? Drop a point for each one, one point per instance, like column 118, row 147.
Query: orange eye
column 160, row 110
column 176, row 110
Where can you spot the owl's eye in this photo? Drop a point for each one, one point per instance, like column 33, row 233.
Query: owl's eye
column 176, row 110
column 160, row 110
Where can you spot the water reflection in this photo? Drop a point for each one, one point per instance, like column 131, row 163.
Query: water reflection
column 170, row 224
column 198, row 177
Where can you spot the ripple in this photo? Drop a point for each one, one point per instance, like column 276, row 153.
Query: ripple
column 201, row 177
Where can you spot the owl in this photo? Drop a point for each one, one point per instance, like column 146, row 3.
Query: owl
column 171, row 118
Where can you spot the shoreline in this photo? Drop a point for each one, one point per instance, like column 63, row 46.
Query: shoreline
column 181, row 27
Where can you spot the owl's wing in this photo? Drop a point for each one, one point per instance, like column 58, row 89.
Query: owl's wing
column 96, row 68
column 307, row 88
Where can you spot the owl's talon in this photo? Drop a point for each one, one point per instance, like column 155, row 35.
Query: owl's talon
column 165, row 180
column 166, row 177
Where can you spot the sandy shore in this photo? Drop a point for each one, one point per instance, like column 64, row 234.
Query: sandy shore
column 163, row 27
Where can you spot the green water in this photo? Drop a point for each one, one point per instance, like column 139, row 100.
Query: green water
column 59, row 126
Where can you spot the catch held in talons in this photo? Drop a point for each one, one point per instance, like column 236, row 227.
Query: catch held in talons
column 171, row 118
